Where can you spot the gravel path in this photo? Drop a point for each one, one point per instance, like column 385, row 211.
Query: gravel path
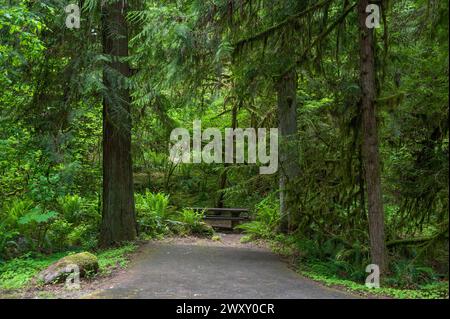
column 193, row 268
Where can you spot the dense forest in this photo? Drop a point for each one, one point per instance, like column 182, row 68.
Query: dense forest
column 360, row 99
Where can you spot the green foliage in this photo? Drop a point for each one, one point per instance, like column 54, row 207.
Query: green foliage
column 266, row 219
column 406, row 273
column 83, row 235
column 14, row 210
column 152, row 213
column 18, row 272
column 6, row 241
column 218, row 62
column 405, row 279
column 75, row 208
column 438, row 290
column 190, row 222
column 73, row 221
column 36, row 215
column 59, row 231
column 79, row 223
column 156, row 218
column 110, row 259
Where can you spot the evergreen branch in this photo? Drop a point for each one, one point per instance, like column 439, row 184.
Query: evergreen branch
column 270, row 31
column 324, row 34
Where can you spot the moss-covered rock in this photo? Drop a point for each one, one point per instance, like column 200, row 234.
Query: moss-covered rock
column 58, row 271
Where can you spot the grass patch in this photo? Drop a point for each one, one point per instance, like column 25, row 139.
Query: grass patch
column 438, row 290
column 285, row 246
column 17, row 273
column 113, row 258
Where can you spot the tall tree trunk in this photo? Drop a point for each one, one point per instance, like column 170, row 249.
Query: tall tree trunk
column 370, row 140
column 119, row 221
column 288, row 155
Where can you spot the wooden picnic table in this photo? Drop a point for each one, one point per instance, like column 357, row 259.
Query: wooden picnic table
column 220, row 215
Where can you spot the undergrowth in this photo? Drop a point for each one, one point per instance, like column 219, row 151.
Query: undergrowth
column 336, row 273
column 156, row 218
column 17, row 273
column 335, row 263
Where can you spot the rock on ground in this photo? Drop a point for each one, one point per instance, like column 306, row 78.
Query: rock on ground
column 87, row 263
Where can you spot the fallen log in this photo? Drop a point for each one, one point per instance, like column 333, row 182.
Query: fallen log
column 417, row 240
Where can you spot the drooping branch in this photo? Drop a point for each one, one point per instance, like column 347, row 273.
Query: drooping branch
column 418, row 240
column 321, row 37
column 325, row 33
column 263, row 35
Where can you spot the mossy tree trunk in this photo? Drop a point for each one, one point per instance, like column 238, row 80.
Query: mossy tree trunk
column 288, row 152
column 370, row 152
column 118, row 215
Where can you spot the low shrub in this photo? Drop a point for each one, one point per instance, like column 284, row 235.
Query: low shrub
column 190, row 222
column 266, row 220
column 153, row 213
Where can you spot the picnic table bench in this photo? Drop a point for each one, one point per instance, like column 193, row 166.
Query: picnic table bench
column 224, row 217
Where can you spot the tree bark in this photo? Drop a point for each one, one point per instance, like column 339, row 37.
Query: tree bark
column 118, row 214
column 370, row 153
column 288, row 155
